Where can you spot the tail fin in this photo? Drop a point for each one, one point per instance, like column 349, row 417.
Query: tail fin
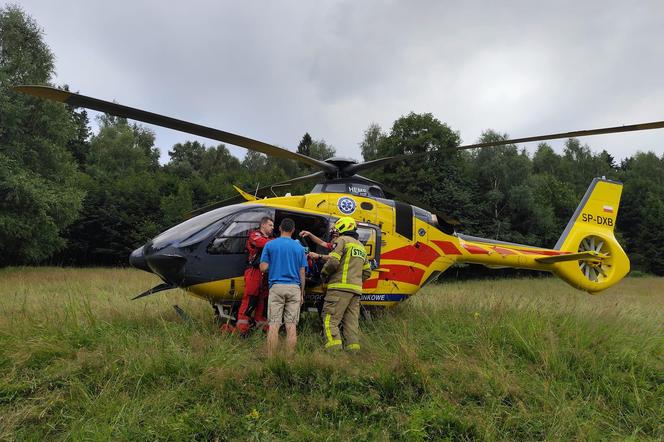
column 591, row 230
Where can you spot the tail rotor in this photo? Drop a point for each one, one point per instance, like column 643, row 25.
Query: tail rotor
column 600, row 269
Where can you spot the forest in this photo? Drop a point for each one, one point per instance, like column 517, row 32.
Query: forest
column 71, row 195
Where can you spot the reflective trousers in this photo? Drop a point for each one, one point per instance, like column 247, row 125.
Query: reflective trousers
column 341, row 309
column 254, row 300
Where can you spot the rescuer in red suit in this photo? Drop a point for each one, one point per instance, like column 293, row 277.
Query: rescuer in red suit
column 256, row 288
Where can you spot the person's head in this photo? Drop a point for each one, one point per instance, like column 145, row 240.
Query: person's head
column 345, row 224
column 267, row 226
column 287, row 227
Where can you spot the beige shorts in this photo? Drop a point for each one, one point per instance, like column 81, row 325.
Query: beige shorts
column 283, row 305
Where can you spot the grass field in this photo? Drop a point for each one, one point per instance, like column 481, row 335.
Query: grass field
column 508, row 359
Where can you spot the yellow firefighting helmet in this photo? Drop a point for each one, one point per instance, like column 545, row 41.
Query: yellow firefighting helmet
column 345, row 224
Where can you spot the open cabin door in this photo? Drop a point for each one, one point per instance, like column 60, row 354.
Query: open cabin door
column 369, row 235
column 316, row 224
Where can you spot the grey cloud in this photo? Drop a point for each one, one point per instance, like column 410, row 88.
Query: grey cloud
column 273, row 70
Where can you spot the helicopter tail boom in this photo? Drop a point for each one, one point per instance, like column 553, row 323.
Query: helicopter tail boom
column 587, row 256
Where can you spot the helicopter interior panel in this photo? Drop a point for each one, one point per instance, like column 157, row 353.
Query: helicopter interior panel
column 317, row 225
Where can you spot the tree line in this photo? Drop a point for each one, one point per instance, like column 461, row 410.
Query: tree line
column 73, row 197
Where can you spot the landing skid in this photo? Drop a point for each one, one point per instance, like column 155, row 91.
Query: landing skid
column 225, row 313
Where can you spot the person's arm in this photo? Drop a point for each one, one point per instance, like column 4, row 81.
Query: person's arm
column 333, row 259
column 366, row 270
column 315, row 255
column 302, row 284
column 265, row 259
column 258, row 240
column 327, row 245
column 303, row 266
column 314, row 238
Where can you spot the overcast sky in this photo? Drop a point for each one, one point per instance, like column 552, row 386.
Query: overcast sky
column 272, row 70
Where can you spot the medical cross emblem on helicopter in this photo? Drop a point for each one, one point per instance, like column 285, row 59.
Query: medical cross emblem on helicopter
column 205, row 255
column 346, row 205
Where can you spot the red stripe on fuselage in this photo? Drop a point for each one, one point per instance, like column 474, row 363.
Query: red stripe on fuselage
column 447, row 247
column 419, row 253
column 475, row 250
column 504, row 251
column 400, row 273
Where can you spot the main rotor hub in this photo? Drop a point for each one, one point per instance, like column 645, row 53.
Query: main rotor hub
column 341, row 164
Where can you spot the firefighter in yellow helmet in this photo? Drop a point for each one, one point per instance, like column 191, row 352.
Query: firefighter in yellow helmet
column 346, row 269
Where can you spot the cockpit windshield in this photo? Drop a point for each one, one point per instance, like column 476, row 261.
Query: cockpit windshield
column 184, row 230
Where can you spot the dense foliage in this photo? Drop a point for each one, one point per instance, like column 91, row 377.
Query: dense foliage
column 71, row 197
column 39, row 180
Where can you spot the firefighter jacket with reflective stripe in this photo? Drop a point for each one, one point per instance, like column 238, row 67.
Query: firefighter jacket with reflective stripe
column 347, row 266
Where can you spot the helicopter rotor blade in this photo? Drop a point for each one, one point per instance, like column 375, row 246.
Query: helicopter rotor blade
column 235, row 199
column 355, row 168
column 352, row 169
column 119, row 110
column 573, row 134
column 301, row 179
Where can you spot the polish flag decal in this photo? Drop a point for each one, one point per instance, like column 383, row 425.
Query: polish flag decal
column 608, row 209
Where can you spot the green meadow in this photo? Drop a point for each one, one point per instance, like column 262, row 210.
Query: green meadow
column 518, row 359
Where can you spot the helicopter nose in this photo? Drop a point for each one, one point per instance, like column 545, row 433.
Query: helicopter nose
column 137, row 259
column 169, row 266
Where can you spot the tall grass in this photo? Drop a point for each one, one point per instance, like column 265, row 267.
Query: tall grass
column 507, row 359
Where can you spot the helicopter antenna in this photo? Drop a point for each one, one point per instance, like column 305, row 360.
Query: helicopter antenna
column 277, row 185
column 256, row 192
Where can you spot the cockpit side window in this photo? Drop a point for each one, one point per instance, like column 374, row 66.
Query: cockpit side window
column 233, row 238
column 336, row 188
column 376, row 192
column 367, row 236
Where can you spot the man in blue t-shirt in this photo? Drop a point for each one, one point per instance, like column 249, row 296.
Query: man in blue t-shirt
column 284, row 260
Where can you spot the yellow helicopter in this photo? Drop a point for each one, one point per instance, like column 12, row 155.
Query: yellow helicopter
column 408, row 246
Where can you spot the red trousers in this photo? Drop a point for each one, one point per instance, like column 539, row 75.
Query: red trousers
column 254, row 300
